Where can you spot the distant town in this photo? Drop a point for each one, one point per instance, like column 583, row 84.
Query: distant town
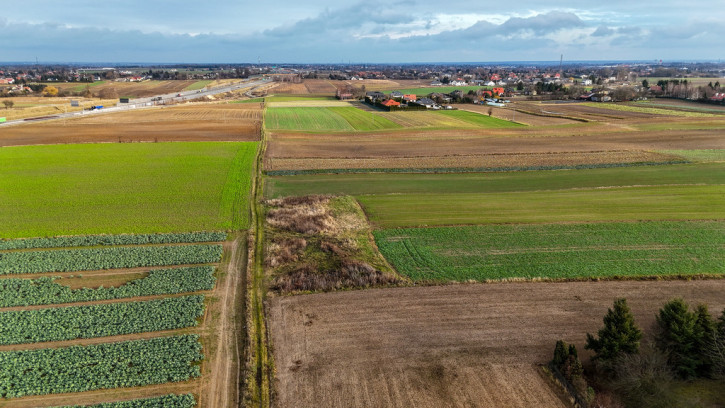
column 703, row 82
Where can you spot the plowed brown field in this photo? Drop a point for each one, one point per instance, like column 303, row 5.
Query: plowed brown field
column 447, row 346
column 611, row 144
column 194, row 122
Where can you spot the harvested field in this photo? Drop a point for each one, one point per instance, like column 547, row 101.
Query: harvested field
column 197, row 122
column 387, row 84
column 645, row 109
column 402, row 143
column 519, row 117
column 461, row 345
column 289, row 88
column 33, row 106
column 478, row 162
column 320, row 86
column 683, row 104
column 142, row 89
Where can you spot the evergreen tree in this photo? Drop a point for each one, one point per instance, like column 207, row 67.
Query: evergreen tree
column 679, row 336
column 707, row 332
column 620, row 334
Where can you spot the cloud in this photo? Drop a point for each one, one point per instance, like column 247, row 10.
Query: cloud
column 373, row 31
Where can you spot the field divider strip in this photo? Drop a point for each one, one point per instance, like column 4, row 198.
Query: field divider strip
column 104, row 302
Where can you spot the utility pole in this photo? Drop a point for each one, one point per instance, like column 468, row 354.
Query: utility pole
column 561, row 60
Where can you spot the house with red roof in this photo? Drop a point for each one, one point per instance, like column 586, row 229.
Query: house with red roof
column 390, row 103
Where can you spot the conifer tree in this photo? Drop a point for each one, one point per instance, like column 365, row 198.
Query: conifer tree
column 620, row 334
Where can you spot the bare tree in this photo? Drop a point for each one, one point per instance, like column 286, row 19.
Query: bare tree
column 8, row 103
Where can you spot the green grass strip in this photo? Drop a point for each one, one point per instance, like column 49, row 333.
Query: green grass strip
column 558, row 251
column 112, row 319
column 495, row 182
column 45, row 290
column 110, row 365
column 585, row 205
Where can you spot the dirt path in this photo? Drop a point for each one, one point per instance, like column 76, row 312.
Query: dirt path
column 99, row 340
column 459, row 345
column 95, row 397
column 224, row 324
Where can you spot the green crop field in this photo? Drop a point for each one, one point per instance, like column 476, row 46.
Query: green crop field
column 381, row 183
column 108, row 365
column 46, row 290
column 576, row 205
column 711, row 155
column 198, row 85
column 88, row 321
column 438, row 89
column 124, row 188
column 555, row 251
column 321, row 119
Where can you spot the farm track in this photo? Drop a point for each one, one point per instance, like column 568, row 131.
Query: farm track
column 99, row 396
column 225, row 331
column 457, row 345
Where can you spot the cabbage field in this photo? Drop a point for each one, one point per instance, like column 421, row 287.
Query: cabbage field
column 109, row 365
column 45, row 290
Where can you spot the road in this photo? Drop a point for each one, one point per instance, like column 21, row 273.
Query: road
column 148, row 102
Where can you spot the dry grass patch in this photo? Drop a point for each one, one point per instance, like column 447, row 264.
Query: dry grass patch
column 321, row 243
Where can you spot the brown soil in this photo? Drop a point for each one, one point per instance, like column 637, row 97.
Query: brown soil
column 459, row 345
column 223, row 332
column 476, row 142
column 512, row 115
column 196, row 122
column 96, row 397
column 472, row 161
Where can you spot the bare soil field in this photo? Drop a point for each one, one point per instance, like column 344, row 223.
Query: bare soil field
column 472, row 161
column 317, row 86
column 458, row 345
column 192, row 122
column 142, row 89
column 387, row 84
column 577, row 110
column 512, row 115
column 289, row 88
column 441, row 144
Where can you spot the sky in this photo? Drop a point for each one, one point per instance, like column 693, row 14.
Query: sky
column 371, row 31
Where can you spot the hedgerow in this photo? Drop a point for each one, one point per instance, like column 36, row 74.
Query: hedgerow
column 45, row 290
column 124, row 239
column 166, row 401
column 74, row 322
column 109, row 365
column 66, row 260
